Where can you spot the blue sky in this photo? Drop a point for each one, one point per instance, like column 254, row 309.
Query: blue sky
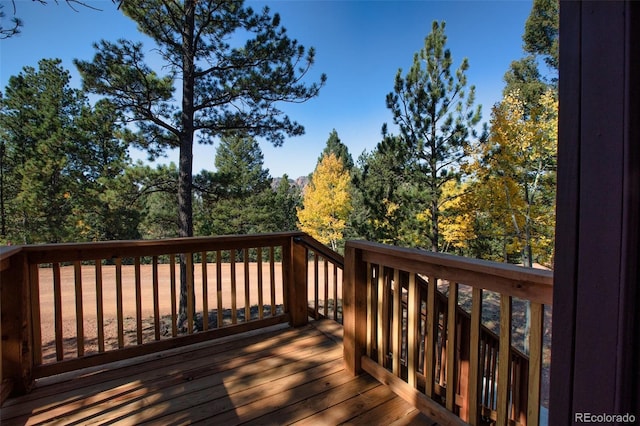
column 359, row 45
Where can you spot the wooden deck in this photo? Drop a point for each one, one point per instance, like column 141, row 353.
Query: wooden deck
column 273, row 376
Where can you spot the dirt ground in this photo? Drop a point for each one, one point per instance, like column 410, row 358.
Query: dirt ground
column 109, row 300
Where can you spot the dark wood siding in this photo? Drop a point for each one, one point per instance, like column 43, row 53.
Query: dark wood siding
column 595, row 324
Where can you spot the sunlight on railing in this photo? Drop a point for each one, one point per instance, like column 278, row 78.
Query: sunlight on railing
column 416, row 323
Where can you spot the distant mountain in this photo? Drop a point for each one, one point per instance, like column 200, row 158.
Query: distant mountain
column 300, row 182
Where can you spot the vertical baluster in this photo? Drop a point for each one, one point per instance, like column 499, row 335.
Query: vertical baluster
column 335, row 292
column 190, row 295
column 473, row 401
column 516, row 383
column 57, row 303
column 272, row 279
column 396, row 323
column 315, row 285
column 504, row 360
column 326, row 287
column 234, row 314
column 413, row 324
column 247, row 301
column 285, row 294
column 156, row 299
column 77, row 272
column 370, row 310
column 99, row 305
column 431, row 338
column 260, row 289
column 219, row 287
column 174, row 310
column 138, row 284
column 34, row 280
column 205, row 292
column 535, row 363
column 380, row 316
column 119, row 303
column 452, row 310
column 493, row 375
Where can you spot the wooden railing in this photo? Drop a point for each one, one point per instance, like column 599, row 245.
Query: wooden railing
column 69, row 306
column 324, row 278
column 400, row 328
column 412, row 319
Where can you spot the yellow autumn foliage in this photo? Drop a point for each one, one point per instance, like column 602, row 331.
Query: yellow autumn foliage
column 515, row 174
column 326, row 202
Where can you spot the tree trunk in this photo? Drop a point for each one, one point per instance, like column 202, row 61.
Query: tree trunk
column 3, row 224
column 185, row 167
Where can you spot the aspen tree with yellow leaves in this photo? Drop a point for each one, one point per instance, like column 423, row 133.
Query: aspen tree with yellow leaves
column 516, row 175
column 326, row 202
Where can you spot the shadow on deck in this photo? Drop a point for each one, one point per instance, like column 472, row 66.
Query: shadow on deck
column 278, row 375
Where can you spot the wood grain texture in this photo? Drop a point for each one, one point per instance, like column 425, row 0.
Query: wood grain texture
column 278, row 375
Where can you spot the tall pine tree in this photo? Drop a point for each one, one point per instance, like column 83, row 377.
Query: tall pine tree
column 435, row 112
column 38, row 113
column 223, row 88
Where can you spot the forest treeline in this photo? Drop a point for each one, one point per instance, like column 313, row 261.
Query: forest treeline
column 444, row 182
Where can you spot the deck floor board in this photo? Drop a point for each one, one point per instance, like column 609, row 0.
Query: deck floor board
column 277, row 376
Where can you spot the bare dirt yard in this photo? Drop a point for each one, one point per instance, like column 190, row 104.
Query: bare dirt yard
column 245, row 277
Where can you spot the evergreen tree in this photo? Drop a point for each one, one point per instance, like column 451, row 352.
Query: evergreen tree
column 388, row 195
column 100, row 158
column 335, row 145
column 287, row 198
column 434, row 111
column 237, row 198
column 224, row 88
column 541, row 31
column 524, row 76
column 38, row 112
column 239, row 164
column 155, row 198
column 61, row 162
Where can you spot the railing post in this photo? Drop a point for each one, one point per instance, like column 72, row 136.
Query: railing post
column 354, row 295
column 297, row 286
column 15, row 317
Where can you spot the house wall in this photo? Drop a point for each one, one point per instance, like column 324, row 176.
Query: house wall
column 595, row 323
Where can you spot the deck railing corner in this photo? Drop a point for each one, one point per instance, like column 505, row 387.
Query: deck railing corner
column 15, row 315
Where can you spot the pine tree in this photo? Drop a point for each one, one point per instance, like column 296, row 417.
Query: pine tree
column 335, row 145
column 224, row 88
column 434, row 111
column 99, row 160
column 388, row 195
column 541, row 31
column 38, row 112
column 237, row 198
column 287, row 198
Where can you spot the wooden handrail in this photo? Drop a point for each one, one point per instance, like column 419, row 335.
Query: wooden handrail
column 400, row 328
column 535, row 285
column 86, row 270
column 325, row 290
column 50, row 253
